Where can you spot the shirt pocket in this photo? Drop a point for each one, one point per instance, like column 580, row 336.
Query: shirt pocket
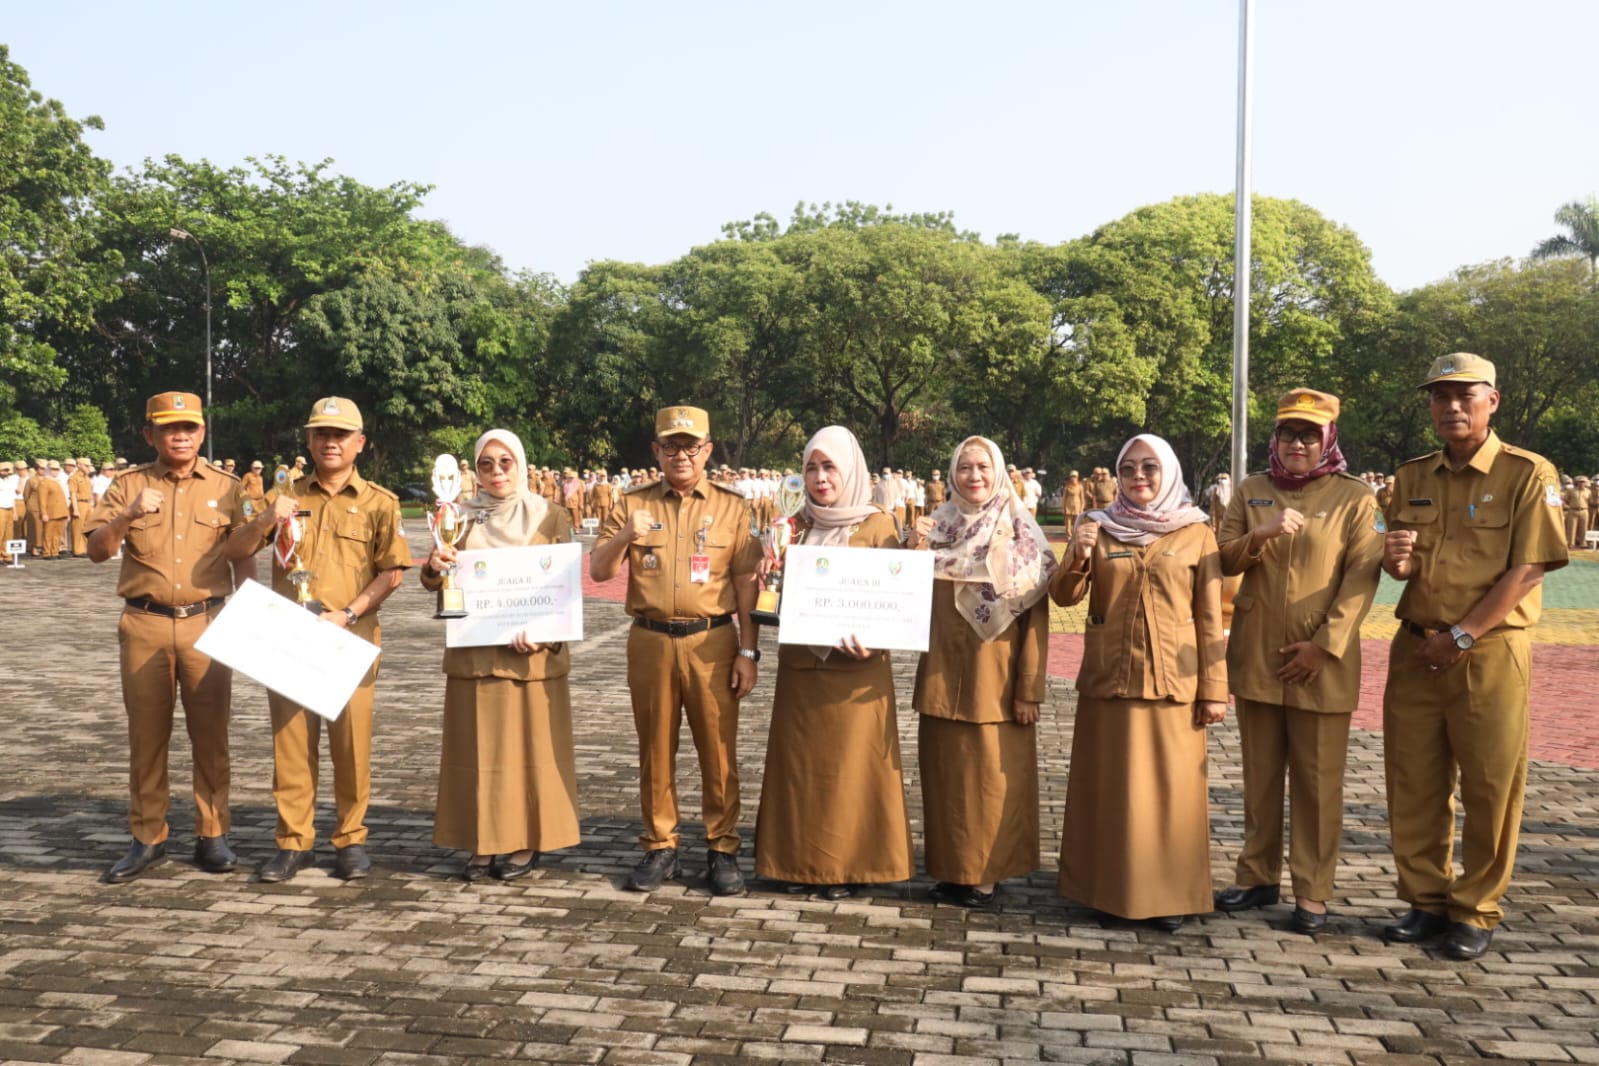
column 146, row 536
column 352, row 540
column 1425, row 519
column 210, row 525
column 1487, row 534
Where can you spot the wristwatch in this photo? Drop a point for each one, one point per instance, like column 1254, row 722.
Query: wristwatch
column 752, row 654
column 349, row 617
column 1463, row 640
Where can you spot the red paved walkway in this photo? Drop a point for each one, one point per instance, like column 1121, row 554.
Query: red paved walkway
column 1564, row 679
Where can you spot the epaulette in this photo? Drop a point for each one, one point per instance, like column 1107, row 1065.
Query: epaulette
column 1346, row 475
column 226, row 473
column 380, row 490
column 639, row 487
column 730, row 490
column 1521, row 453
column 1430, row 457
column 137, row 468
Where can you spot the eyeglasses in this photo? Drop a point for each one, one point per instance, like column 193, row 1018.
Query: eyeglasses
column 690, row 450
column 488, row 466
column 1307, row 437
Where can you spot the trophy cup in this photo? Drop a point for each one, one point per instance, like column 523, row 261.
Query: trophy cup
column 448, row 524
column 289, row 549
column 788, row 500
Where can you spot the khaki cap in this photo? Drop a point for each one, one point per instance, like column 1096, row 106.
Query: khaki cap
column 6, row 468
column 257, row 465
column 335, row 412
column 1308, row 405
column 1460, row 366
column 165, row 408
column 682, row 421
column 55, row 464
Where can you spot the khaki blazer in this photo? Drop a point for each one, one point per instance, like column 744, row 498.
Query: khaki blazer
column 1154, row 618
column 1315, row 585
column 964, row 677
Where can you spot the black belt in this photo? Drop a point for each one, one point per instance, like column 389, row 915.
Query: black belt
column 187, row 610
column 683, row 629
column 1419, row 631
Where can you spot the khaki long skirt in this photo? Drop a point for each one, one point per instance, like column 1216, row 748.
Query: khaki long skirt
column 979, row 799
column 833, row 797
column 1136, row 841
column 506, row 777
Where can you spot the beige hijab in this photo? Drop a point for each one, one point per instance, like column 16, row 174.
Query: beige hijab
column 995, row 549
column 512, row 521
column 831, row 525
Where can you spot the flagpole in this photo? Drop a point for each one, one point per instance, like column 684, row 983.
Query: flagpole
column 1241, row 216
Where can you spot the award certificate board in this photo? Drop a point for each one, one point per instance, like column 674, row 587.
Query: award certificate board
column 273, row 640
column 538, row 589
column 883, row 596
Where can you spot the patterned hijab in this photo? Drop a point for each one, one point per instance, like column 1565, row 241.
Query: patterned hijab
column 831, row 525
column 1332, row 461
column 993, row 549
column 1169, row 511
column 509, row 522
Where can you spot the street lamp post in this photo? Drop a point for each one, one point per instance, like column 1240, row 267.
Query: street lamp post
column 185, row 235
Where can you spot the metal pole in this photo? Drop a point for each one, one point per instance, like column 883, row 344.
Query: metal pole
column 205, row 267
column 1241, row 212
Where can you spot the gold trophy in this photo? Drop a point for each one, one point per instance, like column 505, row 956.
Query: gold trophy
column 448, row 523
column 289, row 549
column 788, row 500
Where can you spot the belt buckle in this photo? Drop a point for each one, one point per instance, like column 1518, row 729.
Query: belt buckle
column 183, row 612
column 679, row 629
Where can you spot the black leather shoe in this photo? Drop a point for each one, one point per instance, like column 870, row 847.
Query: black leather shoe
column 1415, row 927
column 477, row 871
column 285, row 864
column 1169, row 923
column 722, row 872
column 834, row 893
column 1244, row 899
column 213, row 855
column 1308, row 922
column 506, row 870
column 960, row 895
column 140, row 857
column 653, row 870
column 1465, row 942
column 350, row 863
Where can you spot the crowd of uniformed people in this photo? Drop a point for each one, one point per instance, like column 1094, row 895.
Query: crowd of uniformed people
column 1469, row 530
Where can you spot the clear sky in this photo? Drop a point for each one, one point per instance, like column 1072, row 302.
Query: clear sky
column 1444, row 132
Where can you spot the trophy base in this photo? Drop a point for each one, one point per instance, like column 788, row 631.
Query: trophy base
column 452, row 604
column 766, row 605
column 314, row 606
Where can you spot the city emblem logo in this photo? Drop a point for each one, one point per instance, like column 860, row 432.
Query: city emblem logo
column 177, row 403
column 895, row 567
column 822, row 564
column 545, row 562
column 480, row 568
column 331, row 407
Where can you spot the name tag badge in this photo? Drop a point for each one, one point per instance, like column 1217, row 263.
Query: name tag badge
column 1420, row 503
column 1118, row 555
column 1263, row 503
column 699, row 569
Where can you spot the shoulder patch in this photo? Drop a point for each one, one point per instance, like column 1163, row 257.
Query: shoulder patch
column 1551, row 494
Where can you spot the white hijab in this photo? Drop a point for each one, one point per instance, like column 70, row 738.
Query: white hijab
column 509, row 522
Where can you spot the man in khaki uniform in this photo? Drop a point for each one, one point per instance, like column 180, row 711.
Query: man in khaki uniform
column 1102, row 488
column 1576, row 501
column 1073, row 499
column 691, row 567
column 80, row 500
column 54, row 510
column 254, row 487
column 1473, row 528
column 356, row 552
column 1304, row 537
column 935, row 491
column 171, row 520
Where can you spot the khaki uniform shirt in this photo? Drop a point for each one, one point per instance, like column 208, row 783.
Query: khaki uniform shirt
column 1074, row 497
column 254, row 489
column 964, row 677
column 30, row 494
column 53, row 504
column 1576, row 501
column 174, row 557
column 500, row 661
column 349, row 538
column 935, row 494
column 1502, row 509
column 81, row 493
column 1103, row 491
column 1154, row 618
column 601, row 496
column 709, row 518
column 1315, row 585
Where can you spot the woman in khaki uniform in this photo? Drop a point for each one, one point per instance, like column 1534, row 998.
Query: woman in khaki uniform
column 981, row 681
column 1304, row 537
column 507, row 779
column 832, row 813
column 1136, row 842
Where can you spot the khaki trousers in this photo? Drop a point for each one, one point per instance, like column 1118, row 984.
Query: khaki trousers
column 667, row 675
column 1311, row 746
column 7, row 520
column 296, row 741
column 80, row 539
column 1576, row 528
column 1468, row 722
column 51, row 531
column 158, row 664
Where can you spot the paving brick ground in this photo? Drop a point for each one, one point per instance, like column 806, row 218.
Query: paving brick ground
column 414, row 968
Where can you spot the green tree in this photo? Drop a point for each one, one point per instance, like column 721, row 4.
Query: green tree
column 84, row 431
column 1581, row 219
column 49, row 286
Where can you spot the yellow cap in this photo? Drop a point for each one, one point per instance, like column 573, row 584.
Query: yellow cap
column 1308, row 405
column 168, row 407
column 335, row 412
column 1460, row 366
column 682, row 421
